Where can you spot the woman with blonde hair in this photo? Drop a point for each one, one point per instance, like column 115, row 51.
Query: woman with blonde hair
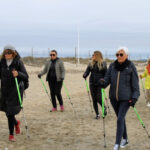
column 146, row 75
column 97, row 68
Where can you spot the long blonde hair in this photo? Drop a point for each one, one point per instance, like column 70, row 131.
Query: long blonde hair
column 99, row 59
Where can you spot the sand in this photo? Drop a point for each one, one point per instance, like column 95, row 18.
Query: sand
column 71, row 130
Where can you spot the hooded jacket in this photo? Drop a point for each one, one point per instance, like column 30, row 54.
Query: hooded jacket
column 9, row 101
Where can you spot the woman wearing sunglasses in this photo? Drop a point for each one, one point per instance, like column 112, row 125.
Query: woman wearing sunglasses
column 146, row 75
column 124, row 92
column 97, row 68
column 10, row 67
column 55, row 75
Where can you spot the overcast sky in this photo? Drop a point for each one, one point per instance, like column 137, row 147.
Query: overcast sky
column 53, row 23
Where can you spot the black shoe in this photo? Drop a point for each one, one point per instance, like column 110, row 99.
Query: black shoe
column 97, row 116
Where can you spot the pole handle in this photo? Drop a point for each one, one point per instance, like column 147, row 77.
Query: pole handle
column 18, row 90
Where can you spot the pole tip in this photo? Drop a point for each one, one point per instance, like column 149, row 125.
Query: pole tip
column 149, row 136
column 105, row 146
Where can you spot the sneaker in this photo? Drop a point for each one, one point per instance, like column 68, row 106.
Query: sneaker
column 53, row 109
column 97, row 117
column 148, row 104
column 116, row 147
column 61, row 108
column 124, row 143
column 17, row 127
column 11, row 138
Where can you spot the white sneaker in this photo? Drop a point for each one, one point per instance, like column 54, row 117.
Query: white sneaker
column 124, row 143
column 148, row 104
column 116, row 147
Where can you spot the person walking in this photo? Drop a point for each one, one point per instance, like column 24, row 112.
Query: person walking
column 55, row 75
column 97, row 68
column 10, row 67
column 124, row 92
column 146, row 75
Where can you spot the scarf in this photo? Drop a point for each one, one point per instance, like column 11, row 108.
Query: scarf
column 148, row 68
column 121, row 67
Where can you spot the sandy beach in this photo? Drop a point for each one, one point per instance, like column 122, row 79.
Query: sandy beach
column 71, row 130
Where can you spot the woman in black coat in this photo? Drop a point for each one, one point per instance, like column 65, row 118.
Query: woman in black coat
column 97, row 68
column 10, row 67
column 124, row 92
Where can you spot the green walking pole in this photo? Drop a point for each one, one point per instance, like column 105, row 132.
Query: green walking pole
column 103, row 115
column 21, row 105
column 107, row 101
column 142, row 123
column 87, row 89
column 143, row 88
column 67, row 93
column 45, row 89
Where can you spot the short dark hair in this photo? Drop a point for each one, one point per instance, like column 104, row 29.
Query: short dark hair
column 54, row 51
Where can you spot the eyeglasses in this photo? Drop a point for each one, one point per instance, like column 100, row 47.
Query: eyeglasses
column 121, row 54
column 52, row 55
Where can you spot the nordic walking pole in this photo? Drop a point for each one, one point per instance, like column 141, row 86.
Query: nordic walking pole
column 103, row 115
column 66, row 90
column 87, row 88
column 143, row 89
column 45, row 89
column 142, row 123
column 21, row 105
column 107, row 101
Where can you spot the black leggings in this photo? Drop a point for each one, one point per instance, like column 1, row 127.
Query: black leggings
column 55, row 90
column 120, row 108
column 96, row 97
column 11, row 123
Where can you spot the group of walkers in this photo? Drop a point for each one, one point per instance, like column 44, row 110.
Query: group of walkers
column 121, row 76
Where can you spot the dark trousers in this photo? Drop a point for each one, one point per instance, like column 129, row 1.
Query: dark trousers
column 55, row 90
column 11, row 123
column 120, row 108
column 96, row 97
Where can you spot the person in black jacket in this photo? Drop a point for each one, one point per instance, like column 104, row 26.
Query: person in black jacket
column 10, row 67
column 97, row 68
column 55, row 75
column 124, row 92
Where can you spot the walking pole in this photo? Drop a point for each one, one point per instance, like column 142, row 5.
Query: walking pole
column 21, row 105
column 67, row 93
column 103, row 115
column 45, row 89
column 87, row 88
column 142, row 123
column 143, row 90
column 107, row 101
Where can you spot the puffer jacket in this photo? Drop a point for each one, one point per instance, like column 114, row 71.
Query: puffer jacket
column 124, row 85
column 147, row 80
column 9, row 102
column 96, row 73
column 59, row 68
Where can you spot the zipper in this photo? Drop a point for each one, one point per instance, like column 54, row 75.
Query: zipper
column 117, row 88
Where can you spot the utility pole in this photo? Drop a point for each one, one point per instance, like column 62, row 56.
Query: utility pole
column 78, row 45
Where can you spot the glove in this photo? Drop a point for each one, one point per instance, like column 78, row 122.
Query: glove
column 84, row 77
column 101, row 82
column 39, row 76
column 140, row 76
column 62, row 79
column 132, row 102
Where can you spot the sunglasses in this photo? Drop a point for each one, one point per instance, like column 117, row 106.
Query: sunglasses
column 52, row 55
column 121, row 54
column 8, row 53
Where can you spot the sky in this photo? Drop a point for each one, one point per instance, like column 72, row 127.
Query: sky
column 102, row 24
